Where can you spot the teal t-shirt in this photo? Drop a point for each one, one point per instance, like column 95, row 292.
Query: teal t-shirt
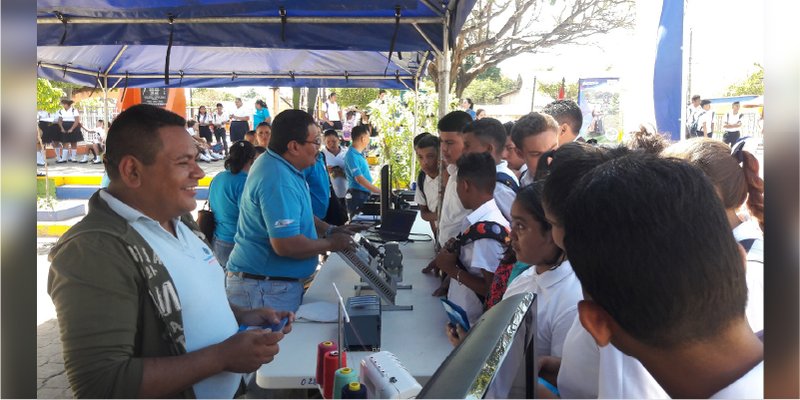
column 518, row 269
column 319, row 186
column 260, row 116
column 275, row 204
column 355, row 164
column 224, row 194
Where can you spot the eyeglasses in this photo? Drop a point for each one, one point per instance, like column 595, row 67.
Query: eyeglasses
column 317, row 142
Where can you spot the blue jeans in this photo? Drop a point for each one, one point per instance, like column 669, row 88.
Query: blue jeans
column 355, row 199
column 222, row 250
column 254, row 293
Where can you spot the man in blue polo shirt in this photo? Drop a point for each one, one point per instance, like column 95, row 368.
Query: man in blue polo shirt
column 278, row 239
column 359, row 179
column 319, row 186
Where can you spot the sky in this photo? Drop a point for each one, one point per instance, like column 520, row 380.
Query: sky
column 727, row 38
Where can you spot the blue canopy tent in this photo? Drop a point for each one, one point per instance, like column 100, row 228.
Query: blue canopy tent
column 201, row 66
column 356, row 25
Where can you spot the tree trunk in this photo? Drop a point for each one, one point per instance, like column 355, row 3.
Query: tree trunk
column 296, row 98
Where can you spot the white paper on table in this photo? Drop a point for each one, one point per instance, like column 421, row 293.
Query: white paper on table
column 318, row 311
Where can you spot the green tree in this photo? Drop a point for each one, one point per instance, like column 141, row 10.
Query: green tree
column 47, row 96
column 551, row 89
column 753, row 84
column 359, row 97
column 210, row 97
column 488, row 90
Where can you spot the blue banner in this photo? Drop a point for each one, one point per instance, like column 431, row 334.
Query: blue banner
column 668, row 69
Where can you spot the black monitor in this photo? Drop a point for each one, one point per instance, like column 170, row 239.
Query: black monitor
column 386, row 190
column 497, row 359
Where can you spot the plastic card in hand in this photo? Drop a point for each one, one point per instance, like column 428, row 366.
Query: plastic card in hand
column 456, row 314
column 364, row 259
column 272, row 327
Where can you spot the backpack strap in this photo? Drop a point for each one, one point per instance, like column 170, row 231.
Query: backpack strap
column 477, row 231
column 421, row 184
column 507, row 180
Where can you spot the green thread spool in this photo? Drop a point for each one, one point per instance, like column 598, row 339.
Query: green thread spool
column 343, row 377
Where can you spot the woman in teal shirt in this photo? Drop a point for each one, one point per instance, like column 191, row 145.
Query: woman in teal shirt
column 223, row 196
column 261, row 114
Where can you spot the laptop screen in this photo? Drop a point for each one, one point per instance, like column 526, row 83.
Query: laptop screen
column 396, row 224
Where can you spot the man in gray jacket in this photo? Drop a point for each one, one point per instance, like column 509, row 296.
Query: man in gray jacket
column 139, row 296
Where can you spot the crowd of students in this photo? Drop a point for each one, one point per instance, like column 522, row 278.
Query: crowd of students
column 647, row 257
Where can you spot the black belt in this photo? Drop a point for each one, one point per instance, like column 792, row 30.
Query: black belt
column 245, row 275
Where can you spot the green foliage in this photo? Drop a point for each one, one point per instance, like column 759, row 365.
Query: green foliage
column 359, row 97
column 487, row 90
column 753, row 84
column 394, row 119
column 210, row 97
column 47, row 96
column 551, row 89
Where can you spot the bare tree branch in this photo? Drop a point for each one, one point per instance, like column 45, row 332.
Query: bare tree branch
column 500, row 29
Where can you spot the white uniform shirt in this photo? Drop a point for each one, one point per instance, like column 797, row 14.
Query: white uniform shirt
column 199, row 290
column 339, row 183
column 453, row 212
column 429, row 196
column 749, row 386
column 219, row 120
column 332, row 111
column 624, row 377
column 731, row 118
column 580, row 362
column 241, row 112
column 527, row 178
column 482, row 254
column 754, row 272
column 706, row 117
column 67, row 115
column 559, row 292
column 503, row 194
column 44, row 116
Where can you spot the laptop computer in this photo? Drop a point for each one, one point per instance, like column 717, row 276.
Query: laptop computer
column 396, row 225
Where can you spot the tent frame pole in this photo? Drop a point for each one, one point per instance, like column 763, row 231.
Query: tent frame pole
column 242, row 20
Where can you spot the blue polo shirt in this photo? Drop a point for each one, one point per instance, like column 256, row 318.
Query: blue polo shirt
column 355, row 164
column 260, row 116
column 275, row 203
column 319, row 186
column 224, row 194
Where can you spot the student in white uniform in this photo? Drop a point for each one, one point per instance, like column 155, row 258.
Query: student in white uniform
column 735, row 176
column 69, row 122
column 471, row 267
column 240, row 121
column 534, row 134
column 453, row 212
column 655, row 291
column 515, row 162
column 488, row 135
column 569, row 117
column 334, row 159
column 582, row 371
column 429, row 180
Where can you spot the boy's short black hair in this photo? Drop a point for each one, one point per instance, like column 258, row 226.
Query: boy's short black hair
column 265, row 123
column 428, row 141
column 532, row 124
column 704, row 102
column 454, row 121
column 736, row 103
column 358, row 131
column 566, row 167
column 696, row 97
column 287, row 126
column 479, row 169
column 509, row 126
column 331, row 132
column 656, row 278
column 565, row 111
column 419, row 137
column 489, row 130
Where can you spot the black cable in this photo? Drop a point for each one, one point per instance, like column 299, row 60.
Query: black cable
column 394, row 37
column 169, row 49
column 64, row 21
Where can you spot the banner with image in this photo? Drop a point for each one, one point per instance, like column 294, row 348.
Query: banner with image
column 598, row 99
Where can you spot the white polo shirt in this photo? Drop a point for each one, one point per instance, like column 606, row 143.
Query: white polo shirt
column 749, row 386
column 200, row 286
column 559, row 292
column 754, row 272
column 731, row 118
column 219, row 120
column 624, row 377
column 339, row 183
column 429, row 195
column 241, row 112
column 580, row 362
column 503, row 194
column 332, row 111
column 482, row 254
column 67, row 115
column 527, row 177
column 44, row 116
column 706, row 117
column 453, row 212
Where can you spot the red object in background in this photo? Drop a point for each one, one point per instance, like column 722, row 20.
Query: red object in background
column 561, row 94
column 176, row 100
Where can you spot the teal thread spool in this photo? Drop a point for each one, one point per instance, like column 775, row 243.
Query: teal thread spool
column 343, row 377
column 354, row 390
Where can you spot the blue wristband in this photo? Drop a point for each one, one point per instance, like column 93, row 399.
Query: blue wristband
column 549, row 386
